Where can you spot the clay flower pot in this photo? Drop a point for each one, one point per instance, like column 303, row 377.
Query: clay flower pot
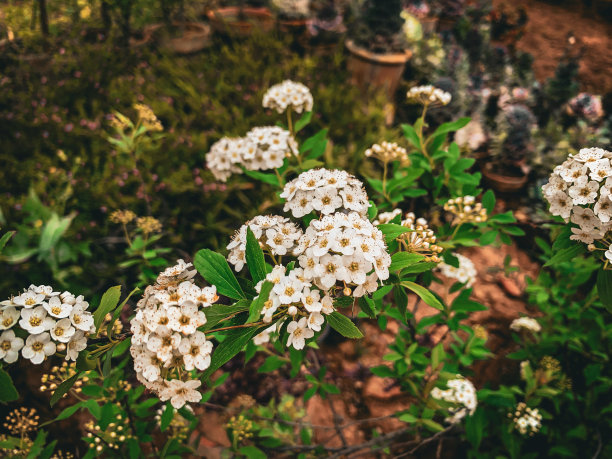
column 503, row 183
column 234, row 21
column 376, row 70
column 194, row 37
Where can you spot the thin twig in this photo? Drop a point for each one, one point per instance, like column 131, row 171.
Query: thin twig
column 426, row 441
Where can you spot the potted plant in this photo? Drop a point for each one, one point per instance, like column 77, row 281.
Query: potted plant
column 377, row 54
column 421, row 10
column 177, row 34
column 507, row 170
column 326, row 27
column 292, row 15
column 241, row 19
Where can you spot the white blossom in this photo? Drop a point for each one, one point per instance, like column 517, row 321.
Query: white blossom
column 38, row 347
column 466, row 272
column 461, row 392
column 289, row 94
column 299, row 333
column 10, row 345
column 525, row 323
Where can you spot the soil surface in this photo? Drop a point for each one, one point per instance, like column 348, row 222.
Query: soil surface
column 547, row 31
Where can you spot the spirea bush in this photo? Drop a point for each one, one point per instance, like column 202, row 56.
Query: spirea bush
column 332, row 252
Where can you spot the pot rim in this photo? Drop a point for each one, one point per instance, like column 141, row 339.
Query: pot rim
column 385, row 59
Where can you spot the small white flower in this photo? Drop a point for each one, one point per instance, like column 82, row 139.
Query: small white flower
column 299, row 333
column 525, row 323
column 56, row 308
column 264, row 336
column 8, row 317
column 10, row 346
column 29, row 299
column 182, row 392
column 186, row 319
column 163, row 342
column 289, row 94
column 584, row 191
column 77, row 343
column 38, row 347
column 35, row 320
column 81, row 319
column 315, row 320
column 560, row 204
column 196, row 351
column 62, row 331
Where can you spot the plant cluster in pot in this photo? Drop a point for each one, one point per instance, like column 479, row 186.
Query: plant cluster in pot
column 242, row 19
column 507, row 170
column 292, row 15
column 177, row 34
column 325, row 28
column 377, row 53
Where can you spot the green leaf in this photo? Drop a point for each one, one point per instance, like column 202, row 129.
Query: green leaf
column 8, row 392
column 401, row 260
column 233, row 343
column 270, row 179
column 488, row 201
column 604, row 287
column 566, row 254
column 424, row 294
column 411, row 134
column 445, row 128
column 214, row 268
column 409, row 418
column 259, row 302
column 63, row 388
column 217, row 312
column 255, row 257
column 392, row 231
column 4, row 239
column 252, row 452
column 367, row 306
column 69, row 411
column 109, row 301
column 315, row 144
column 166, row 417
column 303, row 121
column 343, row 325
column 270, row 364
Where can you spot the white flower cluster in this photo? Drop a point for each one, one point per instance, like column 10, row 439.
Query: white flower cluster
column 262, row 148
column 428, row 95
column 525, row 323
column 388, row 151
column 294, row 296
column 579, row 190
column 273, row 144
column 344, row 248
column 226, row 155
column 53, row 322
column 275, row 234
column 527, row 421
column 324, row 191
column 288, row 94
column 465, row 273
column 420, row 239
column 461, row 392
column 466, row 210
column 166, row 344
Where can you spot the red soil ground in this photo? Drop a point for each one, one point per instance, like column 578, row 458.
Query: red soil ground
column 546, row 35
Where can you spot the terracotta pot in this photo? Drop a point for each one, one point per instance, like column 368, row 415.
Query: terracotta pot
column 503, row 183
column 295, row 26
column 195, row 36
column 229, row 21
column 143, row 37
column 429, row 24
column 376, row 70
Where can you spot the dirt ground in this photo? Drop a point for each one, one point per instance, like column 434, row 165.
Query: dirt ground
column 546, row 34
